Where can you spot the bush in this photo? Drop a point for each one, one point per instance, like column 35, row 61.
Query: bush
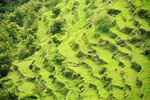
column 121, row 65
column 101, row 71
column 44, row 18
column 55, row 40
column 5, row 63
column 56, row 12
column 128, row 87
column 87, row 2
column 89, row 13
column 23, row 53
column 4, row 69
column 13, row 31
column 103, row 22
column 112, row 35
column 28, row 48
column 139, row 83
column 74, row 45
column 122, row 43
column 28, row 23
column 114, row 12
column 29, row 40
column 112, row 47
column 59, row 59
column 7, row 90
column 136, row 67
column 8, row 96
column 29, row 97
column 57, row 26
column 80, row 54
column 17, row 17
column 96, row 35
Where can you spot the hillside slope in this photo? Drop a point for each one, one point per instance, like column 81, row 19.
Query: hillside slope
column 81, row 50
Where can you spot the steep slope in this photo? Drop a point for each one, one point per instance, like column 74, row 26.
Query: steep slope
column 89, row 50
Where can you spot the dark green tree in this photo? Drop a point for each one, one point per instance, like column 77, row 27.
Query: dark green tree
column 57, row 26
column 56, row 12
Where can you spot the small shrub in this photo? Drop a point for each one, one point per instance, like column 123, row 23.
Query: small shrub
column 57, row 26
column 96, row 35
column 8, row 95
column 147, row 52
column 135, row 40
column 121, row 64
column 114, row 12
column 128, row 87
column 103, row 22
column 55, row 40
column 139, row 83
column 141, row 95
column 112, row 47
column 28, row 23
column 89, row 13
column 17, row 17
column 7, row 90
column 76, row 3
column 74, row 46
column 101, row 71
column 68, row 74
column 91, row 50
column 92, row 6
column 56, row 12
column 27, row 49
column 59, row 59
column 22, row 53
column 112, row 35
column 121, row 43
column 4, row 69
column 122, row 73
column 44, row 18
column 29, row 97
column 106, row 79
column 80, row 54
column 49, row 67
column 127, row 30
column 136, row 67
column 87, row 2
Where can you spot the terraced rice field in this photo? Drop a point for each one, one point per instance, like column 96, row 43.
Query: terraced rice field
column 88, row 64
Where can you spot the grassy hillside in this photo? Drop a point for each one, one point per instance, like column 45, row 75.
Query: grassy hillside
column 76, row 50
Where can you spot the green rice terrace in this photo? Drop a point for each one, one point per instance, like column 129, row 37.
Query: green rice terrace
column 75, row 50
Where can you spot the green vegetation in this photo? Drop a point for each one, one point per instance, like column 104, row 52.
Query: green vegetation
column 103, row 21
column 56, row 26
column 74, row 50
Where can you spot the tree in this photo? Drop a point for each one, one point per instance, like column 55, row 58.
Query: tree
column 4, row 37
column 28, row 47
column 13, row 31
column 5, row 63
column 29, row 40
column 7, row 90
column 10, row 5
column 17, row 17
column 103, row 22
column 56, row 12
column 5, row 54
column 23, row 52
column 57, row 25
